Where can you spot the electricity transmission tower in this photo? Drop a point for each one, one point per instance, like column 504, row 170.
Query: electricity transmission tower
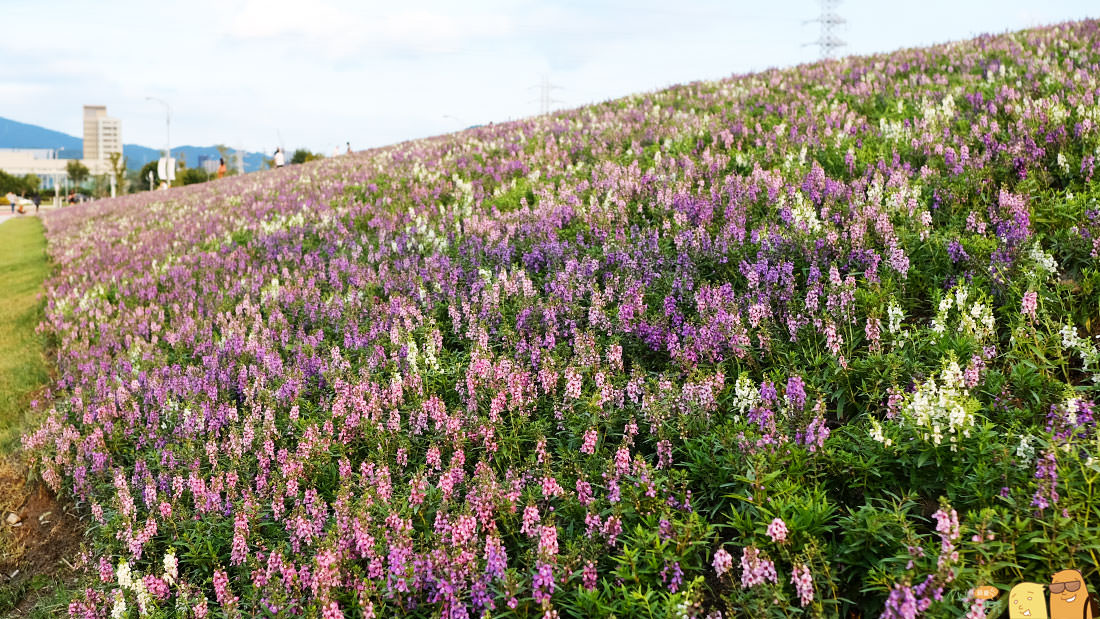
column 828, row 41
column 546, row 99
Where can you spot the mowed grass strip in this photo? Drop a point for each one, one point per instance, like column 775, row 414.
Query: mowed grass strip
column 23, row 268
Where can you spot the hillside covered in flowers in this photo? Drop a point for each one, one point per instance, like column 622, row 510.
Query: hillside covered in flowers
column 809, row 342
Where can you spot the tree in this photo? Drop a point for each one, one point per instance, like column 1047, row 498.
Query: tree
column 101, row 185
column 143, row 175
column 32, row 182
column 15, row 184
column 190, row 176
column 118, row 170
column 78, row 172
column 302, row 155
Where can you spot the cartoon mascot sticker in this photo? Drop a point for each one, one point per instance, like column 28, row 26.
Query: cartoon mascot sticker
column 1069, row 597
column 1026, row 601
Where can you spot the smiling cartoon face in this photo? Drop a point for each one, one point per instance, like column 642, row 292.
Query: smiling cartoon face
column 1067, row 595
column 1026, row 600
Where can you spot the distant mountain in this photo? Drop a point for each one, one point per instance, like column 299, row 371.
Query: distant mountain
column 21, row 135
column 15, row 134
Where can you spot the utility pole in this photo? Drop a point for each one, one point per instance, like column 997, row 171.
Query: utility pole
column 167, row 124
column 168, row 173
column 830, row 22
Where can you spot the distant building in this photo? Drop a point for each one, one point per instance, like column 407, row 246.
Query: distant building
column 209, row 164
column 102, row 134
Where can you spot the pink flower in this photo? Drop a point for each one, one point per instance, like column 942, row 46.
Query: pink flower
column 612, row 528
column 664, row 454
column 977, row 610
column 589, row 446
column 572, row 384
column 240, row 536
column 551, row 488
column 106, row 572
column 1030, row 303
column 777, row 530
column 155, row 586
column 584, row 492
column 622, row 461
column 548, row 541
column 803, row 582
column 588, row 576
column 221, row 590
column 530, row 519
column 722, row 562
column 756, row 569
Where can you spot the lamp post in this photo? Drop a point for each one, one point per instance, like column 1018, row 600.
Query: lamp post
column 167, row 128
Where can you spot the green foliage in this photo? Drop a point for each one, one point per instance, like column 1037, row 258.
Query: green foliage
column 77, row 172
column 118, row 169
column 140, row 182
column 190, row 176
column 22, row 361
column 303, row 155
column 18, row 185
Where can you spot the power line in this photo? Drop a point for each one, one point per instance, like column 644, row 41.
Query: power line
column 830, row 22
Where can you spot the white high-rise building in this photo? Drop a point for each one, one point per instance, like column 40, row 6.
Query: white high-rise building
column 102, row 134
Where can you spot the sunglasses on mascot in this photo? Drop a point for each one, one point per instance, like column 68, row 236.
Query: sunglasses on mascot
column 1070, row 586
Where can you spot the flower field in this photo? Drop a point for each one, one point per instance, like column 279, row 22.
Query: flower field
column 809, row 342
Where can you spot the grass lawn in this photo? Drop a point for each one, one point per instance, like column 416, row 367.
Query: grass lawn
column 22, row 363
column 30, row 552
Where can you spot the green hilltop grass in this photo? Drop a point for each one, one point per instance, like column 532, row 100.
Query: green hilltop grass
column 23, row 267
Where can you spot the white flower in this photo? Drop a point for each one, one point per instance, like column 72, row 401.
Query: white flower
column 1045, row 264
column 1025, row 450
column 745, row 394
column 118, row 610
column 893, row 313
column 939, row 409
column 144, row 599
column 876, row 434
column 975, row 320
column 171, row 567
column 123, row 574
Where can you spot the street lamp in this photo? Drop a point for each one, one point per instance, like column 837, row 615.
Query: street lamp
column 167, row 124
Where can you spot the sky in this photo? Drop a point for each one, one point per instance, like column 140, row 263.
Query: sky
column 317, row 74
